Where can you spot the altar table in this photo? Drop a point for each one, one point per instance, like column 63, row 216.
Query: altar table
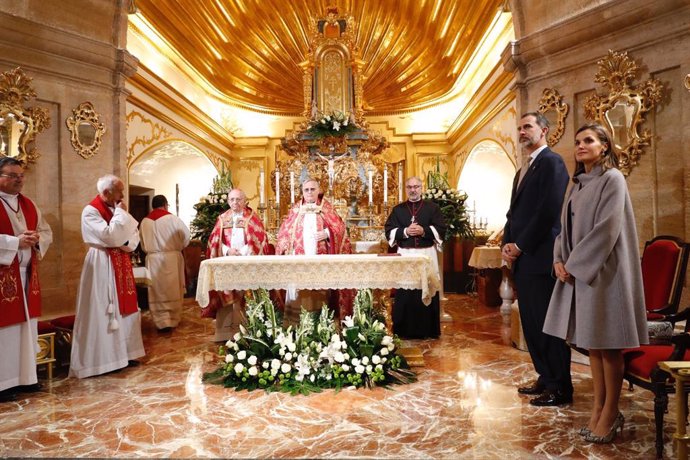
column 340, row 271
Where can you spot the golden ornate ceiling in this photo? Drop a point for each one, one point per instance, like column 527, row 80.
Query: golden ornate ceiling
column 250, row 50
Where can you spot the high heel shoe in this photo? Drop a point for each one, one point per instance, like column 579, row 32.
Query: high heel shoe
column 584, row 431
column 608, row 438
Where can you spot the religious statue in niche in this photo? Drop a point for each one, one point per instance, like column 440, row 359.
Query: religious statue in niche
column 334, row 144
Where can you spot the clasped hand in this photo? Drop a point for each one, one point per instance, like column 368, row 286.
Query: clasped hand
column 561, row 273
column 415, row 230
column 28, row 239
column 321, row 235
column 510, row 252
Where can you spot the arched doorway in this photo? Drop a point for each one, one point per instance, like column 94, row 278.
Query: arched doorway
column 487, row 178
column 177, row 170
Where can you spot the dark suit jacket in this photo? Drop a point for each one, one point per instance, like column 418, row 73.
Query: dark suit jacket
column 533, row 220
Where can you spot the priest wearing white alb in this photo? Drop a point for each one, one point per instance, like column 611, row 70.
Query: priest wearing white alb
column 163, row 237
column 107, row 328
column 24, row 239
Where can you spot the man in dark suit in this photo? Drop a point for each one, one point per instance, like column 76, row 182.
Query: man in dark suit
column 533, row 222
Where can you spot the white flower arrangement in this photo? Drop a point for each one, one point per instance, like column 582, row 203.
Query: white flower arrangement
column 334, row 123
column 312, row 356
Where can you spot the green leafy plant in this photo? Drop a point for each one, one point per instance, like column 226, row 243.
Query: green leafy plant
column 452, row 204
column 334, row 124
column 211, row 206
column 312, row 356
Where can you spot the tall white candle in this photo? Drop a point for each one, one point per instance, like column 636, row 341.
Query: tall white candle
column 371, row 187
column 385, row 184
column 400, row 182
column 261, row 186
column 277, row 187
column 292, row 187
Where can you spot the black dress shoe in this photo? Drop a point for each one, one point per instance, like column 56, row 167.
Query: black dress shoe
column 133, row 363
column 165, row 330
column 535, row 388
column 552, row 398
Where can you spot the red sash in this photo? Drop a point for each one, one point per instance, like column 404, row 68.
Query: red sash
column 122, row 266
column 11, row 290
column 157, row 214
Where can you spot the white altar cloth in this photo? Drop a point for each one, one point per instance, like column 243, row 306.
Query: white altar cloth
column 340, row 271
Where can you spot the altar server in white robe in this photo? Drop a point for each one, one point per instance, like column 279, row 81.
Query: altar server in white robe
column 107, row 328
column 24, row 239
column 163, row 237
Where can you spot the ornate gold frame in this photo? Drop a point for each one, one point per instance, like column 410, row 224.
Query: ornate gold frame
column 623, row 109
column 15, row 90
column 85, row 116
column 551, row 100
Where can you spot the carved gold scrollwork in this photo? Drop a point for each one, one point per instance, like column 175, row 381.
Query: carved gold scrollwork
column 19, row 125
column 86, row 130
column 623, row 109
column 551, row 105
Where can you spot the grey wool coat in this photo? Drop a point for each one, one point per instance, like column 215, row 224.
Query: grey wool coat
column 598, row 245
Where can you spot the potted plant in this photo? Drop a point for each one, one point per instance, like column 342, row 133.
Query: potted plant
column 211, row 206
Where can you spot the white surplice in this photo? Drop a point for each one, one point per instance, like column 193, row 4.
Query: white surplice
column 96, row 348
column 19, row 342
column 163, row 240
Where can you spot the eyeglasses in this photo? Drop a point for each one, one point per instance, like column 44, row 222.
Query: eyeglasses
column 13, row 176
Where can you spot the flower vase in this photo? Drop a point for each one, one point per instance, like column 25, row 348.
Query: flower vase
column 458, row 259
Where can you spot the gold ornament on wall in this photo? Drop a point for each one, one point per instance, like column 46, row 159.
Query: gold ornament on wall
column 86, row 130
column 623, row 110
column 19, row 125
column 551, row 105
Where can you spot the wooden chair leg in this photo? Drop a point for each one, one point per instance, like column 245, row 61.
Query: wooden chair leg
column 660, row 405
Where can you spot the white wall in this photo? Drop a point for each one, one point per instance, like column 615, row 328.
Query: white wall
column 487, row 179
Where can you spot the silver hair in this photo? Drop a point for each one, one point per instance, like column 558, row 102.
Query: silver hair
column 414, row 177
column 107, row 182
column 242, row 194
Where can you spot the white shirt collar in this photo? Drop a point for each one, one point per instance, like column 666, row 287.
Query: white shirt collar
column 533, row 155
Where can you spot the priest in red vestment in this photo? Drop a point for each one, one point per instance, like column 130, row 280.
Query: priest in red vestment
column 24, row 239
column 238, row 232
column 313, row 227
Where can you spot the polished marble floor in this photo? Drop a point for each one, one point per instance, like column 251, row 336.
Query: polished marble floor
column 464, row 405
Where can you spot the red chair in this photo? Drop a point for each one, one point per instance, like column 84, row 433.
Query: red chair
column 664, row 263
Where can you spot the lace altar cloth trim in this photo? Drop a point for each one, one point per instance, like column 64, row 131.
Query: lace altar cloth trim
column 342, row 271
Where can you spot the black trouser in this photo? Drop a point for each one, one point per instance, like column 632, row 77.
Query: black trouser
column 550, row 355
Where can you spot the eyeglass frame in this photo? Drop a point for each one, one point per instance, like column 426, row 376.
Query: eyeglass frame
column 13, row 176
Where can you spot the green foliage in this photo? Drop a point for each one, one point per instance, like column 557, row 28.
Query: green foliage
column 211, row 206
column 334, row 124
column 452, row 204
column 312, row 356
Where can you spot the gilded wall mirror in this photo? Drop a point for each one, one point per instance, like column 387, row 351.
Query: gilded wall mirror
column 86, row 130
column 623, row 110
column 18, row 124
column 551, row 105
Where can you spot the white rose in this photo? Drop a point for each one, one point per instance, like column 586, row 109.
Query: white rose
column 345, row 367
column 359, row 369
column 265, row 365
column 291, row 346
column 228, row 343
column 384, row 351
column 375, row 359
column 379, row 367
column 339, row 357
column 355, row 362
column 275, row 364
column 229, row 358
column 242, row 354
column 386, row 340
column 253, row 371
column 288, row 356
column 285, row 368
column 252, row 360
column 390, row 347
column 383, row 360
column 239, row 368
column 369, row 369
column 365, row 360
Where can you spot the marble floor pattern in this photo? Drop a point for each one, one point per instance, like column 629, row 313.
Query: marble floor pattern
column 465, row 405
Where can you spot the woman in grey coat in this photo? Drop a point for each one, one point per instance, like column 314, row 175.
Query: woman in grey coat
column 598, row 303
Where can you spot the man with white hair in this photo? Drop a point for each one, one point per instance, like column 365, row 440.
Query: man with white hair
column 107, row 327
